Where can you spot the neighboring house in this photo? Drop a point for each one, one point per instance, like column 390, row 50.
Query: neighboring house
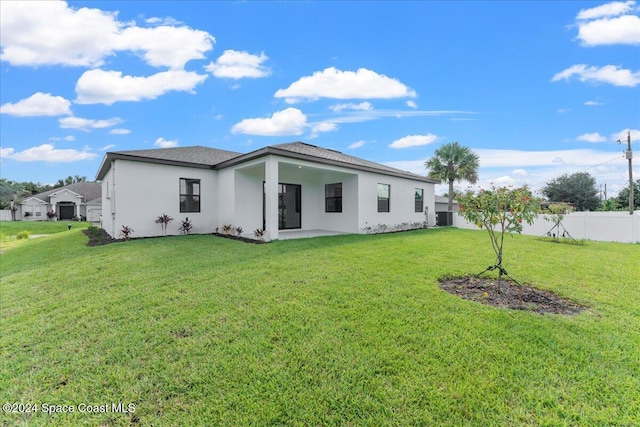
column 443, row 216
column 279, row 189
column 68, row 202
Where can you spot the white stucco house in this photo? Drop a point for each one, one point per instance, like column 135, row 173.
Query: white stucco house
column 288, row 190
column 81, row 199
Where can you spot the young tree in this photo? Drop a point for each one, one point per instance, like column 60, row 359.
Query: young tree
column 579, row 189
column 499, row 211
column 453, row 162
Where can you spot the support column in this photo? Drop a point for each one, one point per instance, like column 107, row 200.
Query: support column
column 271, row 197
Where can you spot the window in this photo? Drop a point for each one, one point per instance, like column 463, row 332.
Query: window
column 419, row 199
column 384, row 191
column 333, row 197
column 189, row 195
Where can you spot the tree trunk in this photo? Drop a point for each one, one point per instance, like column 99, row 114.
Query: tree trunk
column 450, row 208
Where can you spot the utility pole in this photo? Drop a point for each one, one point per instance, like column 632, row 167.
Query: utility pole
column 629, row 155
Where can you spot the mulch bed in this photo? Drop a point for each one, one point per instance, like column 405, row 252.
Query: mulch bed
column 239, row 238
column 99, row 237
column 513, row 296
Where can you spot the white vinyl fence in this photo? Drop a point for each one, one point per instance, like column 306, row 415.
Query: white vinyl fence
column 601, row 226
column 5, row 215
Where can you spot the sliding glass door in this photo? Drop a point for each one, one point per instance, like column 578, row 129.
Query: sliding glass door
column 289, row 206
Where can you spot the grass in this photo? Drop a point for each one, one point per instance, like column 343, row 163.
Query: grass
column 11, row 231
column 344, row 330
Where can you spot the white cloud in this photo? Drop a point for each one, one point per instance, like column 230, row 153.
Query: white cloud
column 593, row 103
column 363, row 106
column 503, row 181
column 324, row 127
column 522, row 158
column 357, row 144
column 607, row 74
column 234, row 64
column 107, row 147
column 163, row 143
column 337, row 84
column 106, row 87
column 52, row 33
column 610, row 9
column 591, row 137
column 155, row 20
column 622, row 135
column 412, row 104
column 69, row 138
column 621, row 30
column 87, row 124
column 535, row 168
column 165, row 46
column 119, row 131
column 317, row 129
column 47, row 153
column 290, row 121
column 414, row 141
column 38, row 104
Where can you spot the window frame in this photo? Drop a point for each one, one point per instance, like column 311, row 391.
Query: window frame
column 186, row 207
column 336, row 206
column 383, row 199
column 419, row 200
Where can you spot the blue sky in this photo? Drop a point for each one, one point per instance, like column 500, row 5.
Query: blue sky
column 537, row 89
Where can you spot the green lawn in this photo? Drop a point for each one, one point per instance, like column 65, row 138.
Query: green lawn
column 9, row 229
column 344, row 330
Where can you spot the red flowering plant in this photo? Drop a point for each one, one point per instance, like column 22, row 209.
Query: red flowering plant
column 499, row 210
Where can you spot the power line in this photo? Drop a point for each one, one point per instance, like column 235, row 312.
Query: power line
column 603, row 163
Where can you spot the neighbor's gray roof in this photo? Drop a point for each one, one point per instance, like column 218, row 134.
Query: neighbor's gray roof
column 88, row 191
column 195, row 156
column 205, row 157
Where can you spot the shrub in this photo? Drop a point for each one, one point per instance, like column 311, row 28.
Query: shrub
column 51, row 215
column 185, row 226
column 164, row 221
column 23, row 235
column 259, row 233
column 227, row 229
column 126, row 232
column 239, row 231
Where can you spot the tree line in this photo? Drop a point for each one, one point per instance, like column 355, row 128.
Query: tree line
column 20, row 190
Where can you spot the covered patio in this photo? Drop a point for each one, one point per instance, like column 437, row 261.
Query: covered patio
column 288, row 198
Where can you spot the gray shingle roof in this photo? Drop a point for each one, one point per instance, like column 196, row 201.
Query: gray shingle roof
column 337, row 156
column 194, row 156
column 88, row 191
column 197, row 155
column 205, row 157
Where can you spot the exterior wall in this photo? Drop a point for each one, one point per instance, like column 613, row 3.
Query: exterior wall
column 139, row 192
column 401, row 201
column 37, row 211
column 108, row 203
column 67, row 197
column 136, row 193
column 93, row 212
column 239, row 195
column 601, row 226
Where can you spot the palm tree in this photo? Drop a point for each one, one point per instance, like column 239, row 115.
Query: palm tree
column 453, row 162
